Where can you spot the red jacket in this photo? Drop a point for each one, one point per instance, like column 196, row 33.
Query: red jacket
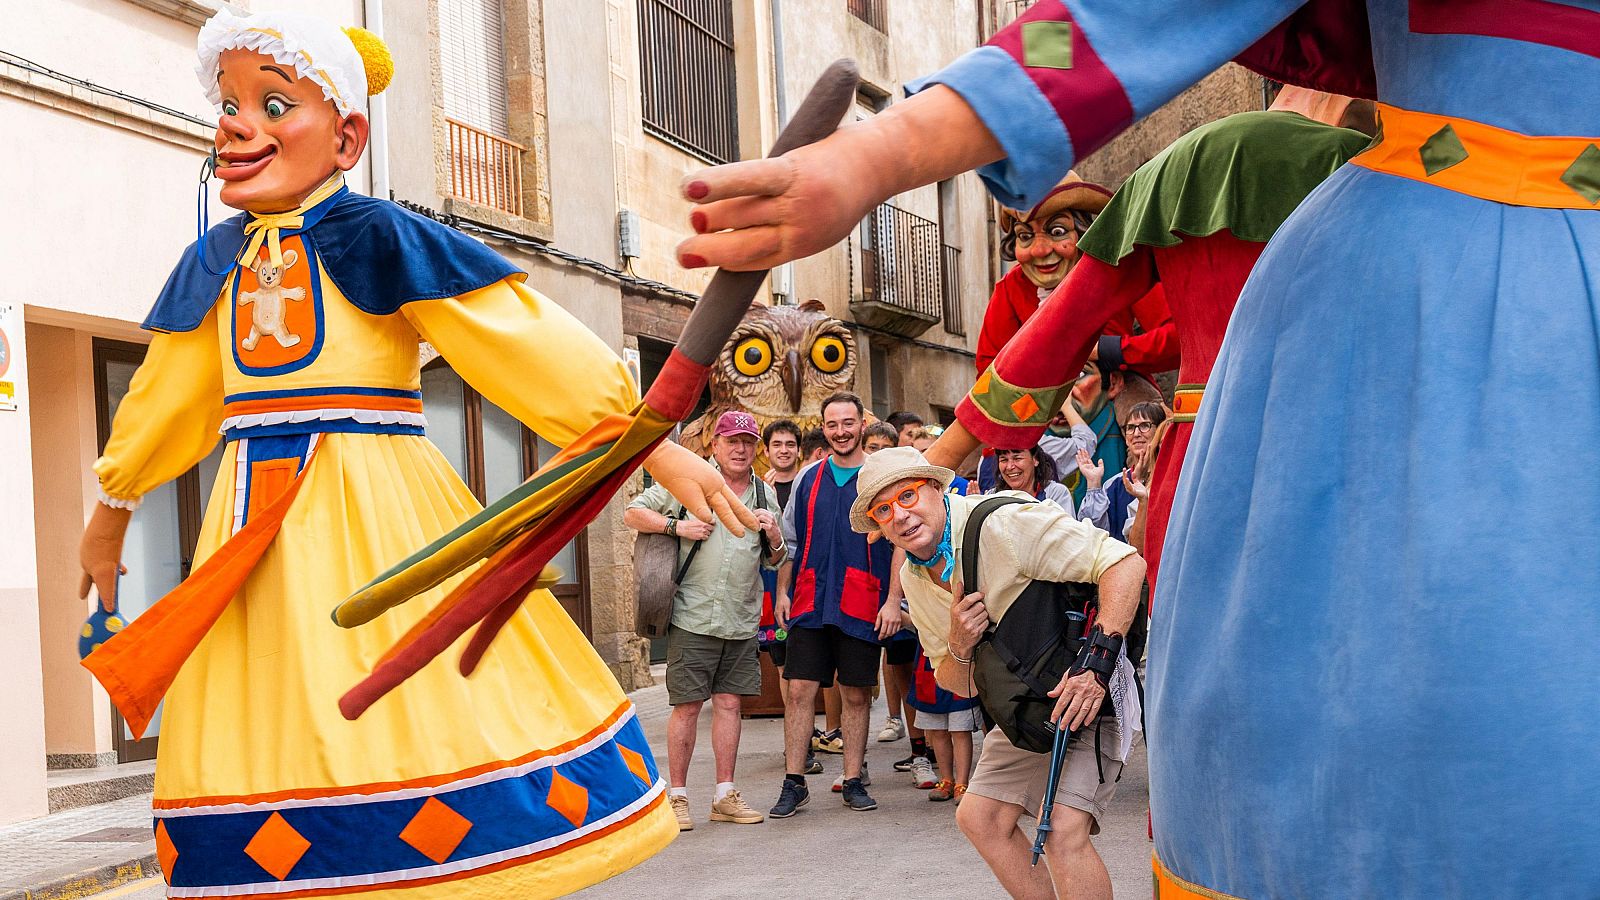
column 1016, row 299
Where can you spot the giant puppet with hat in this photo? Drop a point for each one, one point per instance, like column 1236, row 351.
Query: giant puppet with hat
column 291, row 332
column 1138, row 342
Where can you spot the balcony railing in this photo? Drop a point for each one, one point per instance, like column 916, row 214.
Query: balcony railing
column 950, row 281
column 872, row 12
column 485, row 169
column 898, row 273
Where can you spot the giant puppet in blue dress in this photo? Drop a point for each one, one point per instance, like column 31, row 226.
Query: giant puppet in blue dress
column 1374, row 648
column 1372, row 669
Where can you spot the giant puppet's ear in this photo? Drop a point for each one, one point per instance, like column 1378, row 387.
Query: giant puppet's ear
column 353, row 132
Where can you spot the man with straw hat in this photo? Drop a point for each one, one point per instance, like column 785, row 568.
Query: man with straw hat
column 904, row 497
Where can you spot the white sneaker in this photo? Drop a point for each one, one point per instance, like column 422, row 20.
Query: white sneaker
column 922, row 774
column 866, row 779
column 893, row 730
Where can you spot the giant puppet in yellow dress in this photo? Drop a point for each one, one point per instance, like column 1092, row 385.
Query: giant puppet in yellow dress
column 532, row 777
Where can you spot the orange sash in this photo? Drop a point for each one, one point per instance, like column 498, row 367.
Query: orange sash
column 137, row 665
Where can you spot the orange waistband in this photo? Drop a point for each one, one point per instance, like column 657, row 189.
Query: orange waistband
column 322, row 401
column 1486, row 162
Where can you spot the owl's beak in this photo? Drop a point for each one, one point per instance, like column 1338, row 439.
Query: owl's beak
column 791, row 380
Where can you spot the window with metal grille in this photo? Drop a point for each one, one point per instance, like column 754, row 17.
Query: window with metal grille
column 485, row 165
column 689, row 80
column 872, row 12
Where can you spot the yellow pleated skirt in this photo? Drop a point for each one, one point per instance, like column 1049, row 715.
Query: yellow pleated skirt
column 531, row 778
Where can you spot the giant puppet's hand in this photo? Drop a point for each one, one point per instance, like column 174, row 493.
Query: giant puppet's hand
column 698, row 487
column 100, row 553
column 955, row 445
column 760, row 213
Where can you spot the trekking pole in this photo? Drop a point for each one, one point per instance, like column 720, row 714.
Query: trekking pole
column 1058, row 753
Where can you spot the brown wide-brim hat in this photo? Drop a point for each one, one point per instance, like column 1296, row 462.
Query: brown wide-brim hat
column 885, row 468
column 1072, row 193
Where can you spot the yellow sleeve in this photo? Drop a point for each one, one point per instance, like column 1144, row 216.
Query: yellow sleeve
column 170, row 418
column 1050, row 545
column 529, row 356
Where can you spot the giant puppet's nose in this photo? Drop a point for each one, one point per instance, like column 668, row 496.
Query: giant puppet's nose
column 236, row 128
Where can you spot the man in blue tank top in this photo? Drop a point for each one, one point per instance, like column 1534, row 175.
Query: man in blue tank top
column 830, row 596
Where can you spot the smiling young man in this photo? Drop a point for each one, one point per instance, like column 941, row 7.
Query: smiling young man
column 830, row 597
column 904, row 497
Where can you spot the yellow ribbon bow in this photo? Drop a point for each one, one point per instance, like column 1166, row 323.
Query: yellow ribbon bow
column 269, row 228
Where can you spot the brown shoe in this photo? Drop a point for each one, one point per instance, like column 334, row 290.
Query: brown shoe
column 732, row 808
column 680, row 808
column 942, row 791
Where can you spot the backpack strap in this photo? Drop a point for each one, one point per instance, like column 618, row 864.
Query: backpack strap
column 969, row 537
column 761, row 503
column 683, row 567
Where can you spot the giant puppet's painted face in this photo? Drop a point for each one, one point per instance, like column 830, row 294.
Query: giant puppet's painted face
column 1047, row 248
column 278, row 138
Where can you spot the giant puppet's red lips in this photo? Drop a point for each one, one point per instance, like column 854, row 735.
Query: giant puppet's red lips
column 1047, row 270
column 238, row 166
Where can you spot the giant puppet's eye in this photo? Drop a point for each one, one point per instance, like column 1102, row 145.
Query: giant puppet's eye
column 828, row 354
column 277, row 107
column 230, row 108
column 752, row 357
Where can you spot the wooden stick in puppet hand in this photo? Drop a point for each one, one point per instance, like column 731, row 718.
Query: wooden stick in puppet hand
column 521, row 532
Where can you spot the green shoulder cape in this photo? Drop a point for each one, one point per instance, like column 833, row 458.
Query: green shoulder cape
column 1244, row 173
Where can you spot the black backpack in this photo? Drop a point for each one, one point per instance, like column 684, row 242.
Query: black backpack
column 1019, row 661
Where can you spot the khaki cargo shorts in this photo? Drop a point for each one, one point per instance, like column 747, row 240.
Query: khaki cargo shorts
column 1010, row 775
column 699, row 665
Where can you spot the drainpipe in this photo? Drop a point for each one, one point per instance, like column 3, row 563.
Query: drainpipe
column 378, row 115
column 782, row 276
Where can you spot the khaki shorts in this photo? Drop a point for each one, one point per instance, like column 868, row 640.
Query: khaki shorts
column 1015, row 776
column 699, row 666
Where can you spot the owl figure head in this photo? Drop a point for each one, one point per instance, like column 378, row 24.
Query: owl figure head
column 783, row 360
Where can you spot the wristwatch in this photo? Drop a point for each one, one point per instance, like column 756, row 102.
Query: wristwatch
column 672, row 526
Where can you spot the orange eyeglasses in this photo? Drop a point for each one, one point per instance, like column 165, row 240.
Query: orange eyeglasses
column 907, row 498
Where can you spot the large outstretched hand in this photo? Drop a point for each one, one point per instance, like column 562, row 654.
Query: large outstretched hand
column 761, row 213
column 698, row 486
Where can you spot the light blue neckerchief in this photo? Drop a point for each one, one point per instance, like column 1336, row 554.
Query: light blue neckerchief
column 945, row 552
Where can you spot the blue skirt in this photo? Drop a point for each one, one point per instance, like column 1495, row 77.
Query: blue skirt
column 1375, row 657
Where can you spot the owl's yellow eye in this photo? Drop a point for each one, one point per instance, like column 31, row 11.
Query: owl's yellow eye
column 752, row 357
column 828, row 354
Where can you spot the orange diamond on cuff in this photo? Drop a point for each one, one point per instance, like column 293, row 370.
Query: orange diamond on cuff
column 436, row 830
column 1024, row 407
column 277, row 847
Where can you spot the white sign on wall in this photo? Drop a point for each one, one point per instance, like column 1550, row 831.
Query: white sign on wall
column 10, row 365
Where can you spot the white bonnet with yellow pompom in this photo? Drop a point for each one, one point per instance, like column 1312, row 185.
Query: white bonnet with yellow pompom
column 349, row 64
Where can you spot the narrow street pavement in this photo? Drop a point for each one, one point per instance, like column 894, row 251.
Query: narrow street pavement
column 907, row 848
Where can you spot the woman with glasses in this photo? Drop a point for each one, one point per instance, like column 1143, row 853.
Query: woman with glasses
column 1111, row 506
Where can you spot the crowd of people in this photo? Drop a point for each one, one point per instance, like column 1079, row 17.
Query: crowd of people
column 845, row 616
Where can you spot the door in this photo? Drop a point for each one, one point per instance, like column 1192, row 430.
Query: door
column 160, row 544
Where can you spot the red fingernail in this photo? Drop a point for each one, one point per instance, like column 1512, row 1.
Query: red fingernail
column 697, row 221
column 692, row 261
column 697, row 190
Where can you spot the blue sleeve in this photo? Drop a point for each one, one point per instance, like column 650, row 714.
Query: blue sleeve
column 1069, row 75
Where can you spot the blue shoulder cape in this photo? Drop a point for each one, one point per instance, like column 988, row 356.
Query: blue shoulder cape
column 379, row 254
